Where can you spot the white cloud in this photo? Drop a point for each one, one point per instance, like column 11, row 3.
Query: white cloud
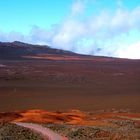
column 69, row 32
column 77, row 7
column 15, row 36
column 11, row 36
column 132, row 51
column 39, row 35
column 74, row 34
column 97, row 35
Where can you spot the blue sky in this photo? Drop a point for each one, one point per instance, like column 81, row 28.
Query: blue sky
column 20, row 15
column 96, row 27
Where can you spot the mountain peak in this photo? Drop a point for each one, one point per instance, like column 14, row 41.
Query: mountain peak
column 18, row 43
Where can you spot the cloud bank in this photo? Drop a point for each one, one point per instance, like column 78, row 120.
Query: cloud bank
column 106, row 33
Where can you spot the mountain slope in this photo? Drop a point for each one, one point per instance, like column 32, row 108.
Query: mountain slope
column 16, row 50
column 76, row 81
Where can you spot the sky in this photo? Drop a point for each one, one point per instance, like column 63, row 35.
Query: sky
column 94, row 27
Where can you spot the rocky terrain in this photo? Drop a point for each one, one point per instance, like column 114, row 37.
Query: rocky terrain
column 10, row 131
column 127, row 131
column 75, row 124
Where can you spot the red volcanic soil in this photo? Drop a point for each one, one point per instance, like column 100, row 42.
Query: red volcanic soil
column 72, row 117
column 65, row 57
column 75, row 124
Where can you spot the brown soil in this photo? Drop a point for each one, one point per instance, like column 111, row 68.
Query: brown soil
column 100, row 83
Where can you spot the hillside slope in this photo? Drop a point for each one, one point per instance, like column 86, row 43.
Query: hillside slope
column 16, row 50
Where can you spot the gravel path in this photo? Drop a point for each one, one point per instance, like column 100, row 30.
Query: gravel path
column 49, row 134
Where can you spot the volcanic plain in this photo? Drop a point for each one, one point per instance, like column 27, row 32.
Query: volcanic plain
column 80, row 97
column 35, row 77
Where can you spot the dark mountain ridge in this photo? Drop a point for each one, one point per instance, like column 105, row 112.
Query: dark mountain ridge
column 20, row 51
column 16, row 50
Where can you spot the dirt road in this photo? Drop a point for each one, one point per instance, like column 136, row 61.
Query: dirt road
column 47, row 133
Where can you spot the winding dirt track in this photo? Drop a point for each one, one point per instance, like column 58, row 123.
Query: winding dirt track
column 47, row 133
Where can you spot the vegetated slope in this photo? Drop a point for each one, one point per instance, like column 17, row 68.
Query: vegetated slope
column 16, row 50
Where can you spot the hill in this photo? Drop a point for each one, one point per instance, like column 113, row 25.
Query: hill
column 17, row 50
